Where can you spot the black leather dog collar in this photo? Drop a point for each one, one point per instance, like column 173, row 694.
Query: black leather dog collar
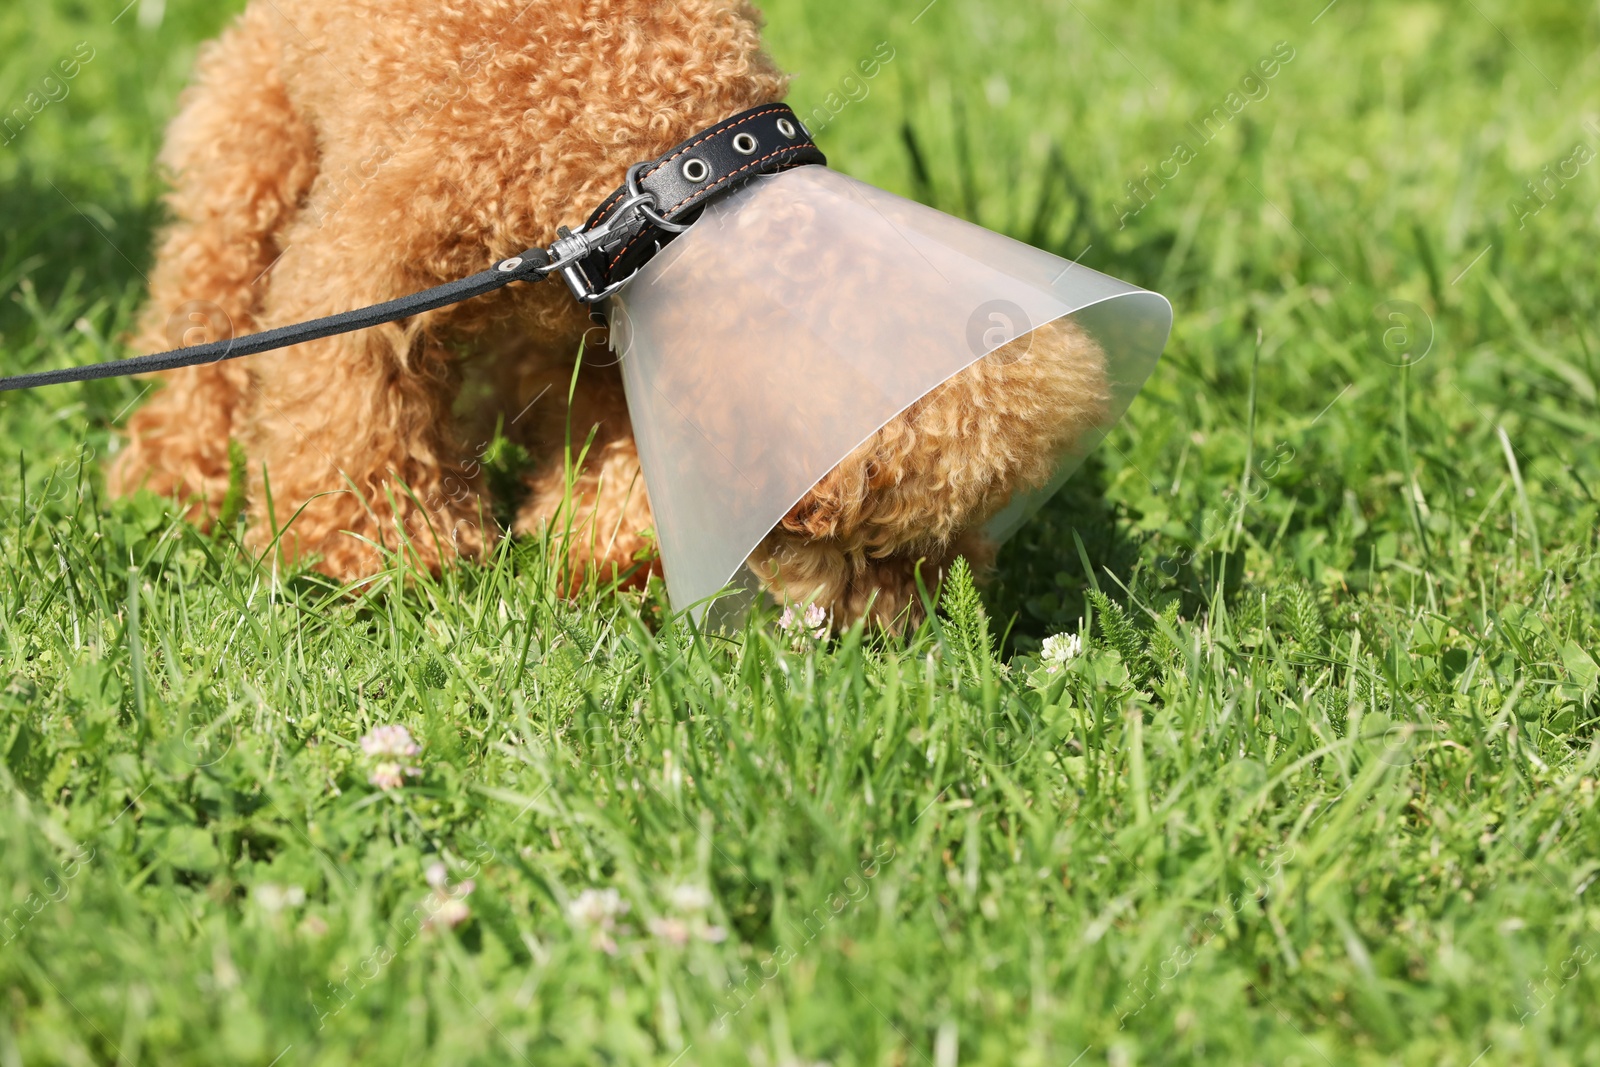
column 714, row 162
column 661, row 199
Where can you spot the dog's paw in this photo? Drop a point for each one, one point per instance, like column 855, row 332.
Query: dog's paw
column 849, row 585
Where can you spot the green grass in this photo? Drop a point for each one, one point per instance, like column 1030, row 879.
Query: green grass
column 1320, row 790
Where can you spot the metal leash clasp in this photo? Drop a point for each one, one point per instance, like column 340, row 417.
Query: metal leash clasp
column 573, row 247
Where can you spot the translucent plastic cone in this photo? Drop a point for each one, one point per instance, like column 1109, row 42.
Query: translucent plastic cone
column 800, row 315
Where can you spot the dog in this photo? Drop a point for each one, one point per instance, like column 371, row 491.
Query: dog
column 331, row 155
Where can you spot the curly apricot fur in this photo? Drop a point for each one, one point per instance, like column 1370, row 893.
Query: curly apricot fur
column 332, row 155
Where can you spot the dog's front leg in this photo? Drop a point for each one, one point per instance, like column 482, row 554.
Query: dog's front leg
column 352, row 437
column 594, row 508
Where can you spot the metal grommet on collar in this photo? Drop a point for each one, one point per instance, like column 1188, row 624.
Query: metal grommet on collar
column 506, row 266
column 661, row 198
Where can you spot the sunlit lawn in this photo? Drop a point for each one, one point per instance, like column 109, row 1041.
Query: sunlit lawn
column 1320, row 789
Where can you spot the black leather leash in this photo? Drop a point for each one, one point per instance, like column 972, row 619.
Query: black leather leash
column 625, row 231
column 251, row 344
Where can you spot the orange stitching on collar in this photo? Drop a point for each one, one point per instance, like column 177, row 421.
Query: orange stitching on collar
column 726, row 177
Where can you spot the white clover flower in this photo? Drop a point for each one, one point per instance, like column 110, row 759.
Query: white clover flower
column 274, row 898
column 678, row 932
column 689, row 898
column 811, row 623
column 597, row 910
column 390, row 775
column 393, row 740
column 690, row 902
column 391, row 746
column 451, row 911
column 671, row 930
column 1061, row 650
column 816, row 621
column 447, row 904
column 387, row 776
column 597, row 907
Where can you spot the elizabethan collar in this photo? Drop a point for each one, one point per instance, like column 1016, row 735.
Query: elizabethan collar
column 800, row 315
